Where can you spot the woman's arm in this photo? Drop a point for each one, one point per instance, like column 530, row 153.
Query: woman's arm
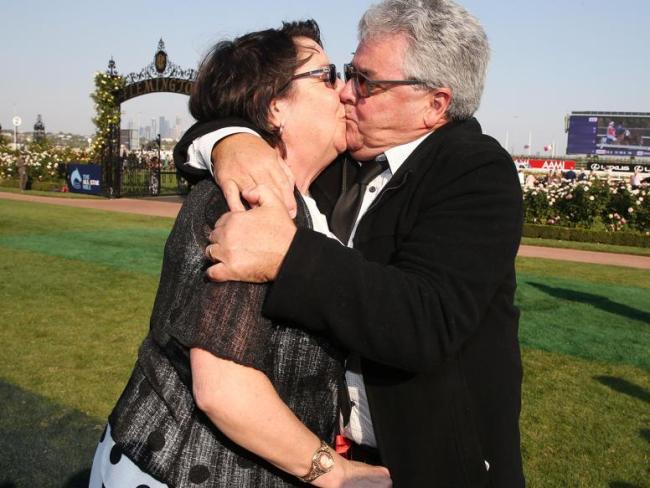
column 243, row 404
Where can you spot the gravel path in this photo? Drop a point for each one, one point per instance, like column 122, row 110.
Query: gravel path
column 170, row 209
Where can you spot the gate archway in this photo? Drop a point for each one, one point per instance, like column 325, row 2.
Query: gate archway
column 121, row 177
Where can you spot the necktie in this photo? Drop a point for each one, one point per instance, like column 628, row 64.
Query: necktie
column 347, row 206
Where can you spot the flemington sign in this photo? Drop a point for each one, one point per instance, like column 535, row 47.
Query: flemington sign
column 157, row 85
column 160, row 76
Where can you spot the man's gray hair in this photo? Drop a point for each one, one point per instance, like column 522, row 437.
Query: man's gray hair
column 447, row 47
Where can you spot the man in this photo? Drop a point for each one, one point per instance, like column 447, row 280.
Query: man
column 424, row 299
column 23, row 175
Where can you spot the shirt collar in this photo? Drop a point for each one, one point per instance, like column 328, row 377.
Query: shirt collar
column 398, row 154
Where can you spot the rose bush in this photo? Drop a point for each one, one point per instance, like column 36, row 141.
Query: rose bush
column 613, row 206
column 43, row 161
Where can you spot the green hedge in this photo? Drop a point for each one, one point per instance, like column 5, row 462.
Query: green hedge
column 49, row 185
column 585, row 235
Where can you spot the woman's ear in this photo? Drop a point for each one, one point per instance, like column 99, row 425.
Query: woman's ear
column 438, row 102
column 278, row 112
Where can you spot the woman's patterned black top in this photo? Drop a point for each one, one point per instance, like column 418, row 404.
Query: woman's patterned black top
column 156, row 422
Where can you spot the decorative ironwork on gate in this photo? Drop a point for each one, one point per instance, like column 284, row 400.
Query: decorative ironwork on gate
column 161, row 67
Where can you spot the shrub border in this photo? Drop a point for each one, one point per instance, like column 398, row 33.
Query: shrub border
column 586, row 235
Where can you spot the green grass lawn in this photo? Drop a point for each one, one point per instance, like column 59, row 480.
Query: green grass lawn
column 78, row 286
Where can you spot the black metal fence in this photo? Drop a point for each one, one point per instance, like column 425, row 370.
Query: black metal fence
column 151, row 182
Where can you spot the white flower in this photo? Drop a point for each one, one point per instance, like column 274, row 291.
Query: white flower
column 592, row 198
column 630, row 210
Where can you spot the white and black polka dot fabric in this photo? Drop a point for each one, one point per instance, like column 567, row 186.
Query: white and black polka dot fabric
column 113, row 469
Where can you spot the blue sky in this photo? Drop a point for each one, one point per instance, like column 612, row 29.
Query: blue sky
column 548, row 57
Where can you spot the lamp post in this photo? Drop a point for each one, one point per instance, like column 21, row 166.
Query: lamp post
column 16, row 121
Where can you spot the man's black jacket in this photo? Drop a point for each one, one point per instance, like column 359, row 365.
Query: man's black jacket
column 426, row 297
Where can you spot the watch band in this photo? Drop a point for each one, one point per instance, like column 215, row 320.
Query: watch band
column 321, row 462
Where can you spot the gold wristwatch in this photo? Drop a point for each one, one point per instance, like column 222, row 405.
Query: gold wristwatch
column 321, row 462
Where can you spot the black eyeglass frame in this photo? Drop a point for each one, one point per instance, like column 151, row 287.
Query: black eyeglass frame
column 330, row 70
column 366, row 90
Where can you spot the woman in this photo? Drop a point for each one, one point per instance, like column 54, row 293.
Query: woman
column 220, row 396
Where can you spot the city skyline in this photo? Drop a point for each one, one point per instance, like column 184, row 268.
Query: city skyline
column 548, row 59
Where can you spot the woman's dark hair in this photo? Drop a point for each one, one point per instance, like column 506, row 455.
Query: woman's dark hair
column 240, row 78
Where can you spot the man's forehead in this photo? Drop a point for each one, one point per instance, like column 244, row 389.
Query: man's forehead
column 366, row 62
column 379, row 54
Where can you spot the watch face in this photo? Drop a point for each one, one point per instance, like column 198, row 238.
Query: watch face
column 325, row 460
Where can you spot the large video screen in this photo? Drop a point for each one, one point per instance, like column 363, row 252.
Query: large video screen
column 609, row 135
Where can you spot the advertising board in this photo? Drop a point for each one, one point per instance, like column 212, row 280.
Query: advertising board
column 549, row 164
column 84, row 178
column 620, row 168
column 609, row 134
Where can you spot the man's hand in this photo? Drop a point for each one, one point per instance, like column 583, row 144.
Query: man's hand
column 251, row 245
column 244, row 161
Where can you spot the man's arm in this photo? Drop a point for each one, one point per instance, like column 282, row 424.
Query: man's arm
column 421, row 307
column 231, row 151
column 244, row 161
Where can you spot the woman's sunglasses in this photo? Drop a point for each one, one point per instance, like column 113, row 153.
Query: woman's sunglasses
column 364, row 87
column 327, row 74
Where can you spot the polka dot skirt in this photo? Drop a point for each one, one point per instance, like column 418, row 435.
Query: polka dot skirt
column 112, row 469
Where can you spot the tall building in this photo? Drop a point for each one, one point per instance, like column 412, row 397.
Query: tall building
column 129, row 138
column 178, row 128
column 163, row 127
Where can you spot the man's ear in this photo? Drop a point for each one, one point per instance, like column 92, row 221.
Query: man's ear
column 438, row 101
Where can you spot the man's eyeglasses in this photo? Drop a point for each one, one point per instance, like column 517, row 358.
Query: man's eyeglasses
column 364, row 87
column 326, row 73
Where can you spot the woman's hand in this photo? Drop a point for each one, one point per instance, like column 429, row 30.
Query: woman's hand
column 244, row 161
column 244, row 405
column 353, row 474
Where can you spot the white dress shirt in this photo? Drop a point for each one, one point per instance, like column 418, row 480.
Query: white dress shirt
column 360, row 429
column 199, row 154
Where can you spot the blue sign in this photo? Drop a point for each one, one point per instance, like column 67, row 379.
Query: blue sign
column 85, row 178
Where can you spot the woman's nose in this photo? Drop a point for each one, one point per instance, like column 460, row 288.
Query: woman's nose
column 346, row 91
